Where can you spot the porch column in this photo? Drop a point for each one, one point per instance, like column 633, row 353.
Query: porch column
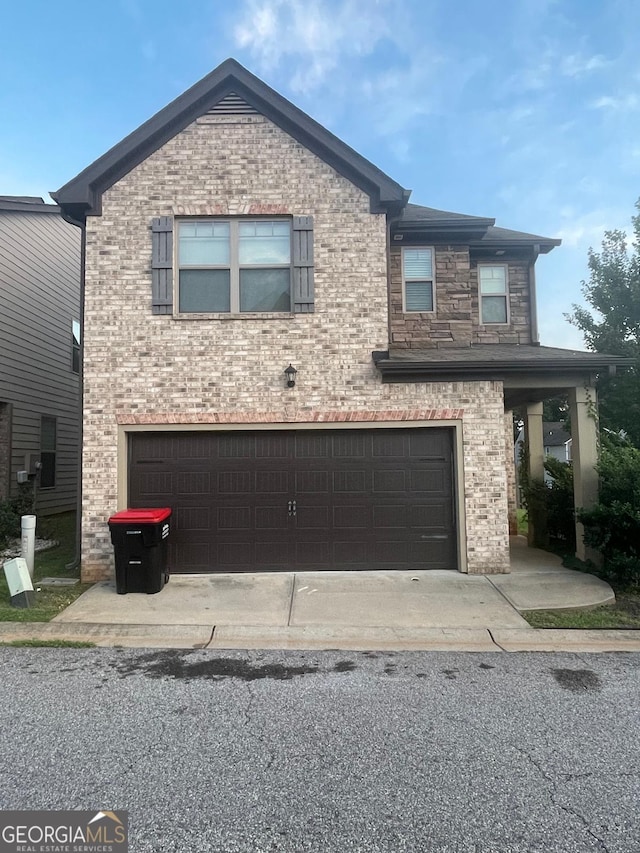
column 511, row 473
column 538, row 535
column 584, row 454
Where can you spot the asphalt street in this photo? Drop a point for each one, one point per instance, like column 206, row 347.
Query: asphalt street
column 329, row 751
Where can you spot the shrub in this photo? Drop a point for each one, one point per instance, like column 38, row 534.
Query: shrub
column 11, row 512
column 561, row 519
column 612, row 526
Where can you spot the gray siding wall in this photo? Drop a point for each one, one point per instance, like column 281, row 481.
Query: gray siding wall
column 39, row 298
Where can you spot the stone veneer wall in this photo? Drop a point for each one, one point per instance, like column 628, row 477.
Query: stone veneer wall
column 139, row 365
column 456, row 320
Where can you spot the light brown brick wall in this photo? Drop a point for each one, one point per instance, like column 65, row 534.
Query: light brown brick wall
column 141, row 365
column 456, row 319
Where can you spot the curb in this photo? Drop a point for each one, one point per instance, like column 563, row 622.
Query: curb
column 321, row 638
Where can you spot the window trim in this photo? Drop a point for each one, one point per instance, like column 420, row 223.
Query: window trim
column 234, row 269
column 433, row 280
column 53, row 452
column 507, row 299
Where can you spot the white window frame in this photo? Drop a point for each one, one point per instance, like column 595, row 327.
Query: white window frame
column 234, row 266
column 433, row 280
column 505, row 267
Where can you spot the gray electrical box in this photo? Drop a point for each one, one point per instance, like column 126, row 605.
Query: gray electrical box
column 22, row 477
column 19, row 583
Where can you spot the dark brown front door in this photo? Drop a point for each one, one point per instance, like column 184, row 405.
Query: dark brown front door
column 300, row 499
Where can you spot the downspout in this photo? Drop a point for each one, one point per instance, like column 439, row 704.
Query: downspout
column 533, row 306
column 82, row 225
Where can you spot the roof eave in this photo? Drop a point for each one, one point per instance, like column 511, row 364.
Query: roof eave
column 397, row 370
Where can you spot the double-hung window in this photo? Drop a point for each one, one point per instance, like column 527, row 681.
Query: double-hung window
column 493, row 290
column 234, row 266
column 418, row 279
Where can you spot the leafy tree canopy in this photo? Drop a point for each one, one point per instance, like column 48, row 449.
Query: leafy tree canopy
column 613, row 291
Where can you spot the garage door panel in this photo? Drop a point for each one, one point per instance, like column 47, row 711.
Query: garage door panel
column 188, row 519
column 309, row 517
column 189, row 556
column 430, row 444
column 235, row 518
column 272, row 482
column 232, row 555
column 311, row 482
column 273, row 445
column 350, row 552
column 390, row 515
column 194, row 445
column 364, row 498
column 437, row 480
column 348, row 444
column 389, row 443
column 235, row 482
column 352, row 516
column 350, row 481
column 310, row 555
column 154, row 483
column 193, row 482
column 389, row 480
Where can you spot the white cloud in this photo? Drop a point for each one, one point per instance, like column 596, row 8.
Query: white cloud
column 628, row 101
column 575, row 65
column 317, row 35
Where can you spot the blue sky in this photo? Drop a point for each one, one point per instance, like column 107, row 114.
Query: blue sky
column 524, row 110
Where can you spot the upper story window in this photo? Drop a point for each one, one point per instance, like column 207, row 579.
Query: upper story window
column 417, row 279
column 234, row 266
column 493, row 291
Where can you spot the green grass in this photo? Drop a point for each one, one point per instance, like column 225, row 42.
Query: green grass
column 523, row 522
column 49, row 563
column 600, row 617
column 50, row 644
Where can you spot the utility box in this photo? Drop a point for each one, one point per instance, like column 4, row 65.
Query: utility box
column 140, row 543
column 19, row 583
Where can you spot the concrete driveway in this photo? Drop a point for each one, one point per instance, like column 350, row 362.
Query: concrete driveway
column 337, row 609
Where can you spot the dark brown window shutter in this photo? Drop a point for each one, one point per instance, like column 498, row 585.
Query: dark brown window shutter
column 303, row 299
column 162, row 265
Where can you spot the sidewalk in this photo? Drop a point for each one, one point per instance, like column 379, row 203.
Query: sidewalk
column 436, row 610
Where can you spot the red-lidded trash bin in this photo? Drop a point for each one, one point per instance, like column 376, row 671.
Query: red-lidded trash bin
column 140, row 543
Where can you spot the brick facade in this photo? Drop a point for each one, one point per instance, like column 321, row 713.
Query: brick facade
column 455, row 321
column 143, row 368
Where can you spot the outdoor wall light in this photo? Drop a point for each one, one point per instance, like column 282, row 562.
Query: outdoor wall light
column 290, row 373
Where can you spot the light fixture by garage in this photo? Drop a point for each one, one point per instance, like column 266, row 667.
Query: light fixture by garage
column 290, row 373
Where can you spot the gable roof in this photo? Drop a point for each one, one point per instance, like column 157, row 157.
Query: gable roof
column 83, row 194
column 26, row 204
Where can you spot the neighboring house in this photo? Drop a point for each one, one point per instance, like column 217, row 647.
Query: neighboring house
column 556, row 443
column 39, row 352
column 230, row 237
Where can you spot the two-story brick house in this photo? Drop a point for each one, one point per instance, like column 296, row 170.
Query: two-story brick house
column 232, row 237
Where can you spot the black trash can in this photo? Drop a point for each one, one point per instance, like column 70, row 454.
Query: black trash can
column 140, row 544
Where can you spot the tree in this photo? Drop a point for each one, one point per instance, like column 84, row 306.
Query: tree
column 613, row 291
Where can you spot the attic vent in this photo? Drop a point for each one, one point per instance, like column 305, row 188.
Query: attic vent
column 232, row 105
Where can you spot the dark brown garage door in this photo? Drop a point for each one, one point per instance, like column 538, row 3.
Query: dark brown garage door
column 304, row 499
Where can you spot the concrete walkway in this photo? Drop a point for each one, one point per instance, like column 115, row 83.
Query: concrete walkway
column 349, row 610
